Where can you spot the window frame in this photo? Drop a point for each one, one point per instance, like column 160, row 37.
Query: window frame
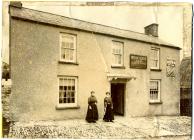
column 158, row 59
column 113, row 54
column 67, row 105
column 74, row 44
column 159, row 91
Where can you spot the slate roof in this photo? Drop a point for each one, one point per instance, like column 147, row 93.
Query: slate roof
column 62, row 21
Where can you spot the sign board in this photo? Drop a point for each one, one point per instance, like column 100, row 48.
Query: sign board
column 170, row 68
column 138, row 61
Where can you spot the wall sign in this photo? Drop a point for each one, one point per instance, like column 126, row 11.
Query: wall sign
column 170, row 68
column 138, row 61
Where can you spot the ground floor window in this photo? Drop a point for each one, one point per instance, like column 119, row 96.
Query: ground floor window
column 67, row 91
column 154, row 90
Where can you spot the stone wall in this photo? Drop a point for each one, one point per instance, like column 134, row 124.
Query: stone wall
column 6, row 91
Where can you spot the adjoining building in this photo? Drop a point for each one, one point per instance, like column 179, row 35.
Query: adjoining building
column 186, row 87
column 56, row 61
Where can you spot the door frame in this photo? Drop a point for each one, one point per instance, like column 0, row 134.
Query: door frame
column 124, row 94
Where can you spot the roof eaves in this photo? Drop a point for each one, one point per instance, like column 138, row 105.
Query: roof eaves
column 58, row 20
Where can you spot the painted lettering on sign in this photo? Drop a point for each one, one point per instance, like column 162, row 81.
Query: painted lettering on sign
column 138, row 61
column 170, row 68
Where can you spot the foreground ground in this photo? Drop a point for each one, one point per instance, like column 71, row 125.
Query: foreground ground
column 165, row 127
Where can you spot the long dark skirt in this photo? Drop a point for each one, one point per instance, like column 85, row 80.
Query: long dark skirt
column 92, row 114
column 109, row 114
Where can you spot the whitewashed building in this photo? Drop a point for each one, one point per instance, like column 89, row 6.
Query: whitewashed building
column 56, row 61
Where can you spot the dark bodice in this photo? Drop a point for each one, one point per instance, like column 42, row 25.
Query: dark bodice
column 92, row 100
column 108, row 101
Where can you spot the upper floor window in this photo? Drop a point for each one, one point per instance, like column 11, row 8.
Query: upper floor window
column 67, row 91
column 67, row 47
column 117, row 53
column 155, row 58
column 154, row 90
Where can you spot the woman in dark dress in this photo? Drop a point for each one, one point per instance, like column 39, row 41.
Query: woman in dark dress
column 108, row 108
column 92, row 113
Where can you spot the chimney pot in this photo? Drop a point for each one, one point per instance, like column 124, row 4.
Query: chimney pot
column 152, row 29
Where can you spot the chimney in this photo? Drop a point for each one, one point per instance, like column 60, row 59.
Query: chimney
column 17, row 4
column 152, row 29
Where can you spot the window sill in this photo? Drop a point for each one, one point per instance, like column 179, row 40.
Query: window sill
column 65, row 107
column 156, row 70
column 119, row 67
column 72, row 63
column 156, row 102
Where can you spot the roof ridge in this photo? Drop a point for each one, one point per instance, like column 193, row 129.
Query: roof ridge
column 41, row 16
column 85, row 21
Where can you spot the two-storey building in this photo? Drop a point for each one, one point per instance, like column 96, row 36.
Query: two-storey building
column 56, row 61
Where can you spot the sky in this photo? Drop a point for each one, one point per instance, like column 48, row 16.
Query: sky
column 129, row 16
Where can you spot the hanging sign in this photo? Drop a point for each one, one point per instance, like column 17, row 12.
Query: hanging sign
column 170, row 68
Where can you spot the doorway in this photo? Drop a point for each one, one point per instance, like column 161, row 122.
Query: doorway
column 117, row 94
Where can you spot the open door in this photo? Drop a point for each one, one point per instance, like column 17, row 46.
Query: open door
column 117, row 93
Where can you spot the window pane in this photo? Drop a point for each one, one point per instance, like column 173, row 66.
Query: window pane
column 73, row 100
column 119, row 59
column 117, row 52
column 72, row 94
column 65, row 100
column 60, row 82
column 114, row 50
column 63, row 55
column 151, row 95
column 69, row 87
column 65, row 82
column 67, row 52
column 66, row 90
column 154, row 63
column 60, row 87
column 60, row 94
column 154, row 57
column 68, row 100
column 67, row 38
column 68, row 47
column 116, row 59
column 68, row 94
column 63, row 45
column 151, row 84
column 71, row 53
column 154, row 54
column 154, row 90
column 72, row 82
column 60, row 100
column 71, row 46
